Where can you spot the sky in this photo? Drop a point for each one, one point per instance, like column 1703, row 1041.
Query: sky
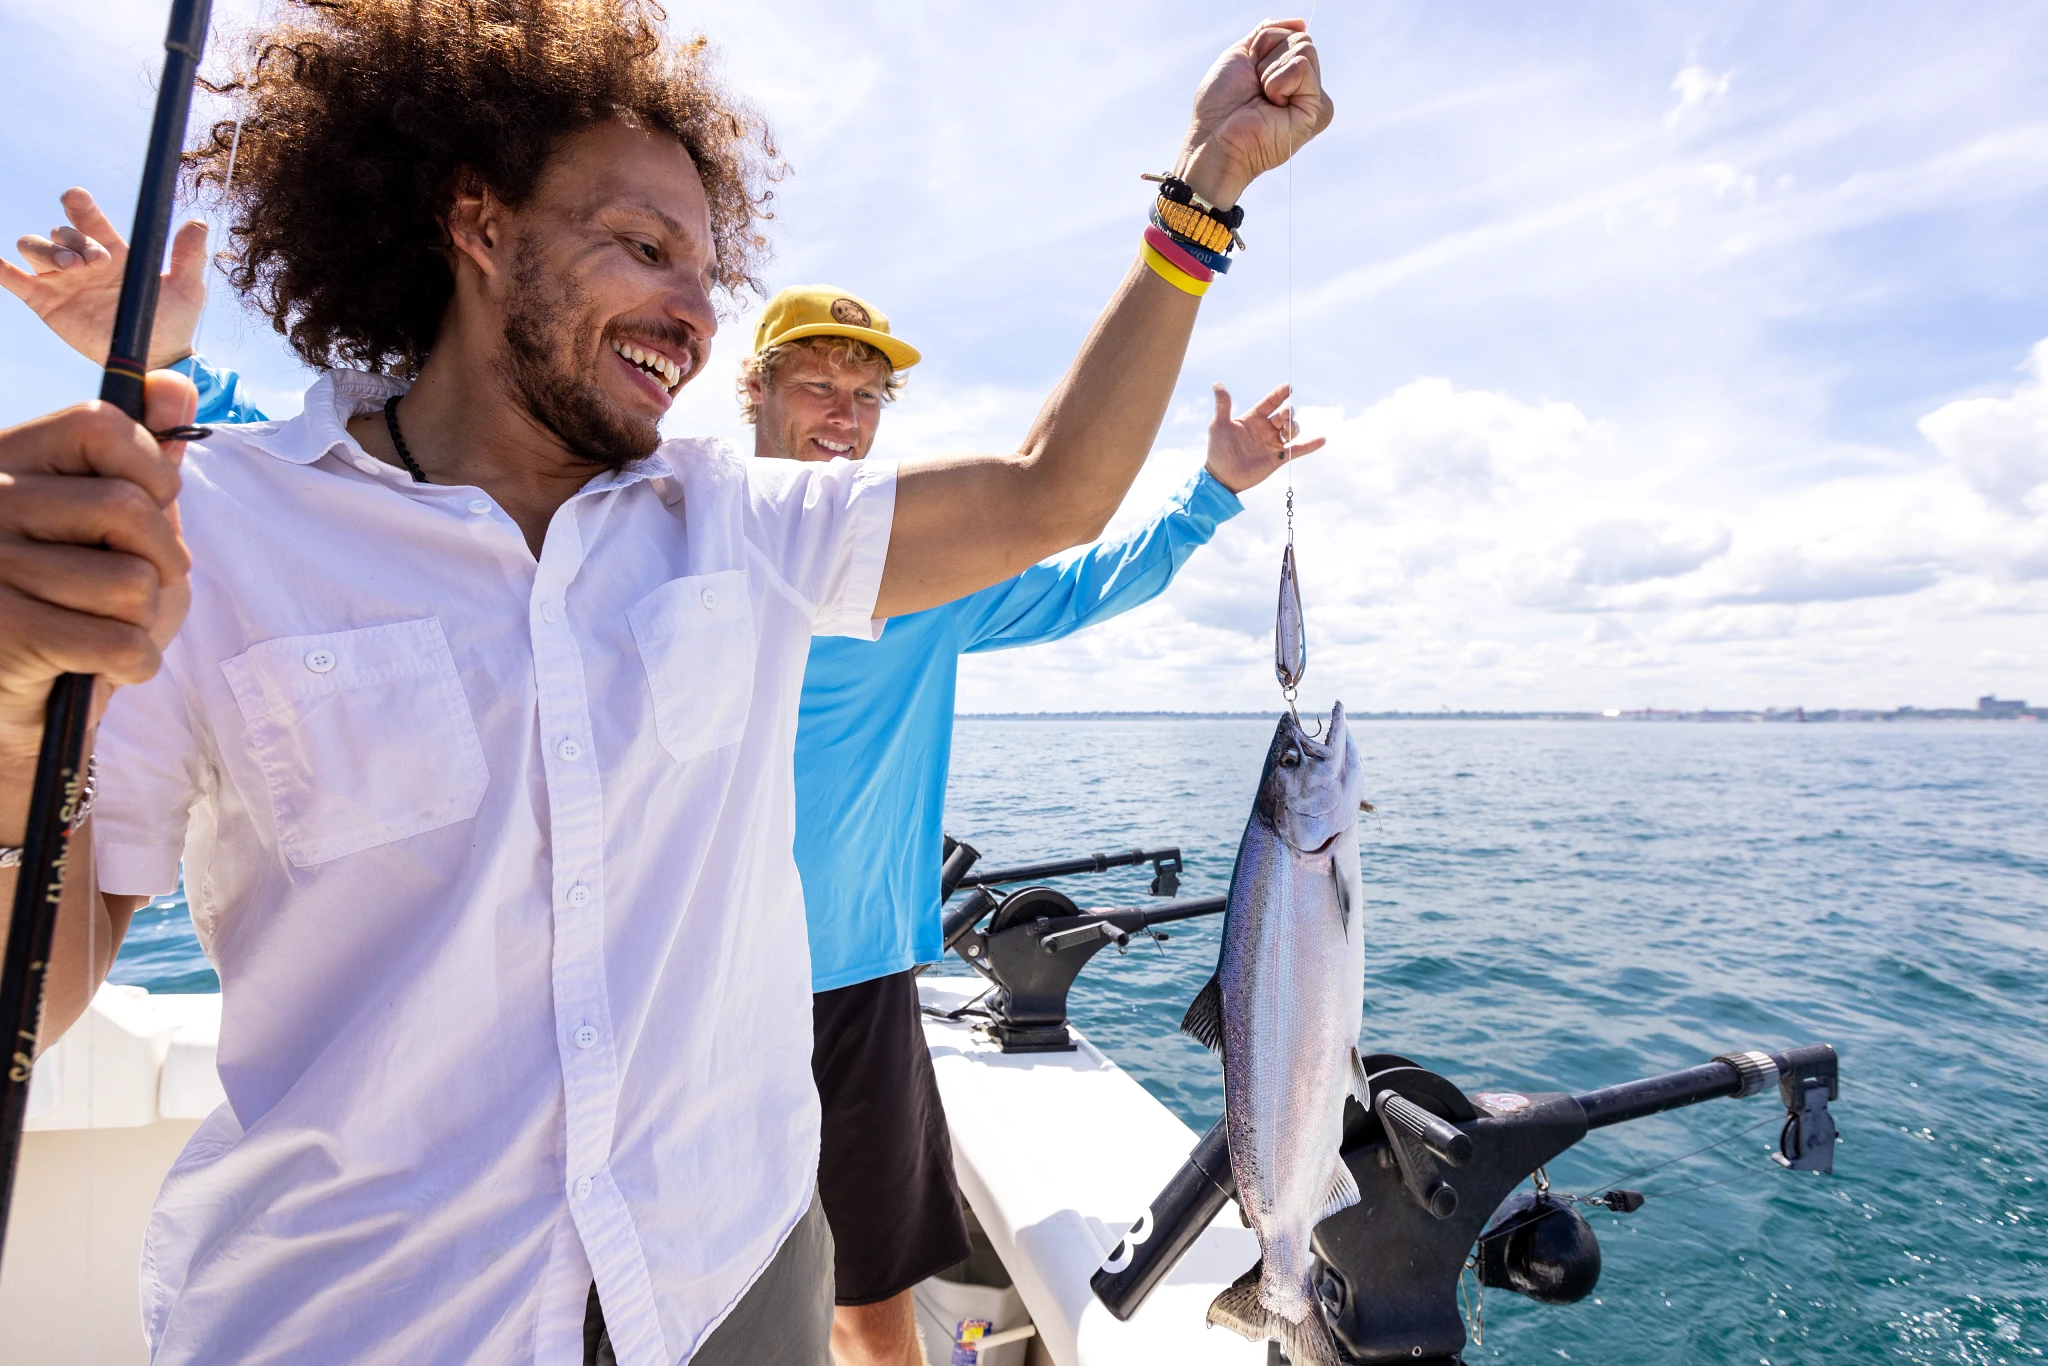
column 1670, row 355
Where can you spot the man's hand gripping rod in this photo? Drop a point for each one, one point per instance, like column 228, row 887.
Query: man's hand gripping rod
column 60, row 767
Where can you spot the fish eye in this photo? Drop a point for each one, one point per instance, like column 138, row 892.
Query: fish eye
column 1290, row 758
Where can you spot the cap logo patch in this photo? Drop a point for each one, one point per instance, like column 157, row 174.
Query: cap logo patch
column 850, row 313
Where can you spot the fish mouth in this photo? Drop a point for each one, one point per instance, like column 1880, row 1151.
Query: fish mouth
column 1322, row 747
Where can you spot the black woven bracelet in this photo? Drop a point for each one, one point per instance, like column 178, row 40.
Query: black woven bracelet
column 1180, row 192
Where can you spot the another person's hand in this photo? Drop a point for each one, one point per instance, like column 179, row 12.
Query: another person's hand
column 1244, row 450
column 1257, row 106
column 94, row 576
column 77, row 282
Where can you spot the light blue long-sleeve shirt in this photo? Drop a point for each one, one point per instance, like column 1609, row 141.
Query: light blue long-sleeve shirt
column 875, row 732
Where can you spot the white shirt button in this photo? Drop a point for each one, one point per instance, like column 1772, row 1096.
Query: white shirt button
column 366, row 465
column 579, row 895
column 585, row 1036
column 320, row 661
column 584, row 1186
column 479, row 506
column 569, row 749
column 710, row 599
column 547, row 613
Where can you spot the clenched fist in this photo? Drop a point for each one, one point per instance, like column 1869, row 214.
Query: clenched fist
column 94, row 575
column 1258, row 105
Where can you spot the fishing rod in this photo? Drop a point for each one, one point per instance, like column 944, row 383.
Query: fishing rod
column 60, row 766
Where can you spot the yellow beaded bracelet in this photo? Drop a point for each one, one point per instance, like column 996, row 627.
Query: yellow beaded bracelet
column 1191, row 223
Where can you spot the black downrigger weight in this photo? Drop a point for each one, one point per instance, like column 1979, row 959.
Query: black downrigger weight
column 1438, row 1169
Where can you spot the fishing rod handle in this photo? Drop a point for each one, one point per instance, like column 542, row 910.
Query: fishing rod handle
column 1451, row 1144
column 135, row 315
column 1170, row 1226
column 60, row 764
column 961, row 920
column 960, row 856
column 32, row 926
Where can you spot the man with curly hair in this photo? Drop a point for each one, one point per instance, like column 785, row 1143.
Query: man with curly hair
column 476, row 739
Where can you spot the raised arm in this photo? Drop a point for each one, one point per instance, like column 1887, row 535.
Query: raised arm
column 1057, row 597
column 965, row 522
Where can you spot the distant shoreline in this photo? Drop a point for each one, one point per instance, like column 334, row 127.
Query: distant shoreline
column 1794, row 716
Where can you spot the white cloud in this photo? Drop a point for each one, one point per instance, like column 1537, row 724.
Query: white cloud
column 1695, row 85
column 2000, row 445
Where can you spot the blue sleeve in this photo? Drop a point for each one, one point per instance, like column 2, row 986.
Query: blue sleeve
column 1096, row 582
column 221, row 399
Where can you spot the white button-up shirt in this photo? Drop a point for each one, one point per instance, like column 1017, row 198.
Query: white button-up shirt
column 493, row 858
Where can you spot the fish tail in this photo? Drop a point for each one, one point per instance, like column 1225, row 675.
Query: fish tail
column 1240, row 1309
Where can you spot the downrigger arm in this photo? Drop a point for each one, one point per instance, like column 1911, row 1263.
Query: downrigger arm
column 1437, row 1168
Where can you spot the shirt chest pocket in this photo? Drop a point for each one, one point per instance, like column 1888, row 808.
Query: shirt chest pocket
column 696, row 639
column 363, row 737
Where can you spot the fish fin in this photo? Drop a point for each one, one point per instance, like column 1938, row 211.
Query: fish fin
column 1204, row 1021
column 1342, row 900
column 1308, row 1343
column 1360, row 1087
column 1343, row 1191
column 1240, row 1309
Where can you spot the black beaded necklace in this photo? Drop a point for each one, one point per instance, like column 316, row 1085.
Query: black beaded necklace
column 412, row 466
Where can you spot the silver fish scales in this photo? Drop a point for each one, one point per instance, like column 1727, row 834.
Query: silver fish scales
column 1284, row 1010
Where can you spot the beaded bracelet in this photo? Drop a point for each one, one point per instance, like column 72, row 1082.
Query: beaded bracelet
column 1183, row 220
column 1173, row 188
column 1216, row 261
column 12, row 855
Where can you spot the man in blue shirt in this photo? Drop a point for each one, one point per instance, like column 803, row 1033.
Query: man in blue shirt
column 873, row 741
column 874, row 737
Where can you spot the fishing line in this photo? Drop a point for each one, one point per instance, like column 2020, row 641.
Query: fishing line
column 1290, row 639
column 1709, row 1185
column 227, row 184
column 1630, row 1176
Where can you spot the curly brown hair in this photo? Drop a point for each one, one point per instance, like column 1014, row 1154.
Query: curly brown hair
column 362, row 118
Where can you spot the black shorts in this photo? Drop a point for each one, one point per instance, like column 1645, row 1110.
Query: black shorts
column 885, row 1165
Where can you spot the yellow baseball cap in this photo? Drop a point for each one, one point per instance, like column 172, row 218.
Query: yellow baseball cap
column 823, row 311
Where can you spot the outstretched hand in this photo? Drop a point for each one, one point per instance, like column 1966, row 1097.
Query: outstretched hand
column 1244, row 450
column 77, row 283
column 1257, row 106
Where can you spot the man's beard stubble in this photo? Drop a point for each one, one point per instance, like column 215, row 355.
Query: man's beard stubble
column 541, row 318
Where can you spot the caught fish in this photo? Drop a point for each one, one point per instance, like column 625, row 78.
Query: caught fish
column 1290, row 637
column 1283, row 1009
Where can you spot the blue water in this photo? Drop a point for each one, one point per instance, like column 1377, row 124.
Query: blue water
column 1561, row 906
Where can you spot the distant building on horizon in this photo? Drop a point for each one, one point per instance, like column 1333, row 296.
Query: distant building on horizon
column 1999, row 707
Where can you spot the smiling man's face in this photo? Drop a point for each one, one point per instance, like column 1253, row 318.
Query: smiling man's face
column 608, row 311
column 817, row 408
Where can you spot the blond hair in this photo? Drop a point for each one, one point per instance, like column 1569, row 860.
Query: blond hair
column 842, row 353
